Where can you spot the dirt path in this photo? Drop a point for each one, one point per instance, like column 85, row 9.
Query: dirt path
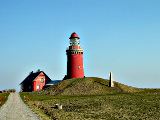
column 15, row 109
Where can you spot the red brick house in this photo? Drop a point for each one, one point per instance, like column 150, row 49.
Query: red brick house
column 34, row 81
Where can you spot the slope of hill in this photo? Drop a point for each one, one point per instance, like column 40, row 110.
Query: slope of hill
column 88, row 86
column 92, row 98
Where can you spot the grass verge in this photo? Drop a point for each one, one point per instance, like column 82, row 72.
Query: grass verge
column 26, row 97
column 3, row 98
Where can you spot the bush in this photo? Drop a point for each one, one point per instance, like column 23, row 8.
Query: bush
column 8, row 91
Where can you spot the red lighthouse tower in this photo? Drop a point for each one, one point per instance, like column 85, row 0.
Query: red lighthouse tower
column 74, row 58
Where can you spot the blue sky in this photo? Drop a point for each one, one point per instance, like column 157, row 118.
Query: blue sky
column 121, row 36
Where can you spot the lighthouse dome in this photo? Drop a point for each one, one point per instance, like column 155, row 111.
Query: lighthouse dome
column 74, row 35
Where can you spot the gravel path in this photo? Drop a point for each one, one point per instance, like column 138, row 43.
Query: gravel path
column 15, row 109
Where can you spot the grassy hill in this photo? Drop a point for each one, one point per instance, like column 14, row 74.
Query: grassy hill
column 92, row 99
column 88, row 86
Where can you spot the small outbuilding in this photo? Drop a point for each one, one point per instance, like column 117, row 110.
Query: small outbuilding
column 34, row 81
column 51, row 83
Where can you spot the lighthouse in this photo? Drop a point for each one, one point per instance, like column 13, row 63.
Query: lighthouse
column 74, row 58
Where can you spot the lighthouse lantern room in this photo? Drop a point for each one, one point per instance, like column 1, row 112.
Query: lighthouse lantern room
column 74, row 58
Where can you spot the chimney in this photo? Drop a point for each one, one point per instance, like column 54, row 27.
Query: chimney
column 31, row 72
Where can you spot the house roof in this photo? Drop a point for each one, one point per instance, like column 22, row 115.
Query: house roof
column 31, row 77
column 53, row 82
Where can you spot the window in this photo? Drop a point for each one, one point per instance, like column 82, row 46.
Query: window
column 79, row 67
column 30, row 87
column 42, row 80
column 38, row 87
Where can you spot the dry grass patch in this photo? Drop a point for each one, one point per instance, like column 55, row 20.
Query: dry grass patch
column 3, row 98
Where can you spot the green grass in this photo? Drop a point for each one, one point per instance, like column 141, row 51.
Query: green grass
column 30, row 97
column 88, row 86
column 92, row 99
column 129, row 106
column 3, row 98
